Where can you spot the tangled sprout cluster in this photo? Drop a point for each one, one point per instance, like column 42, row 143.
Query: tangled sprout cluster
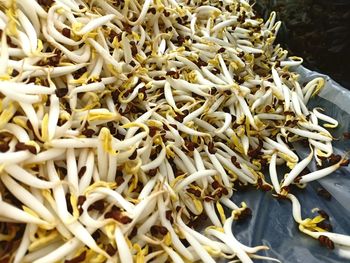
column 126, row 126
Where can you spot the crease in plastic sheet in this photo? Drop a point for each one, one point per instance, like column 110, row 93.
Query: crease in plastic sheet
column 272, row 222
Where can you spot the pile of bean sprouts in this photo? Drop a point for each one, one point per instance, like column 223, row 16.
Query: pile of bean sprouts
column 126, row 126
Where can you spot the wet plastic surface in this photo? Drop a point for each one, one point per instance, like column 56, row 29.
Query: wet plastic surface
column 272, row 223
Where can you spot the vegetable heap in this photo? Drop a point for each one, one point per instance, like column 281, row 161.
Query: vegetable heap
column 126, row 126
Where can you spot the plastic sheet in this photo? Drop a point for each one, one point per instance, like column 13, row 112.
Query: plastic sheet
column 272, row 223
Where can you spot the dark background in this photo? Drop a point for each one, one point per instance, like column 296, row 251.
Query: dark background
column 317, row 30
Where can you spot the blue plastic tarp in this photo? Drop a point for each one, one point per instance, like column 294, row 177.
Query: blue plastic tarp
column 272, row 223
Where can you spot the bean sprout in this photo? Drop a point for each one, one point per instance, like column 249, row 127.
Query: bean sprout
column 124, row 124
